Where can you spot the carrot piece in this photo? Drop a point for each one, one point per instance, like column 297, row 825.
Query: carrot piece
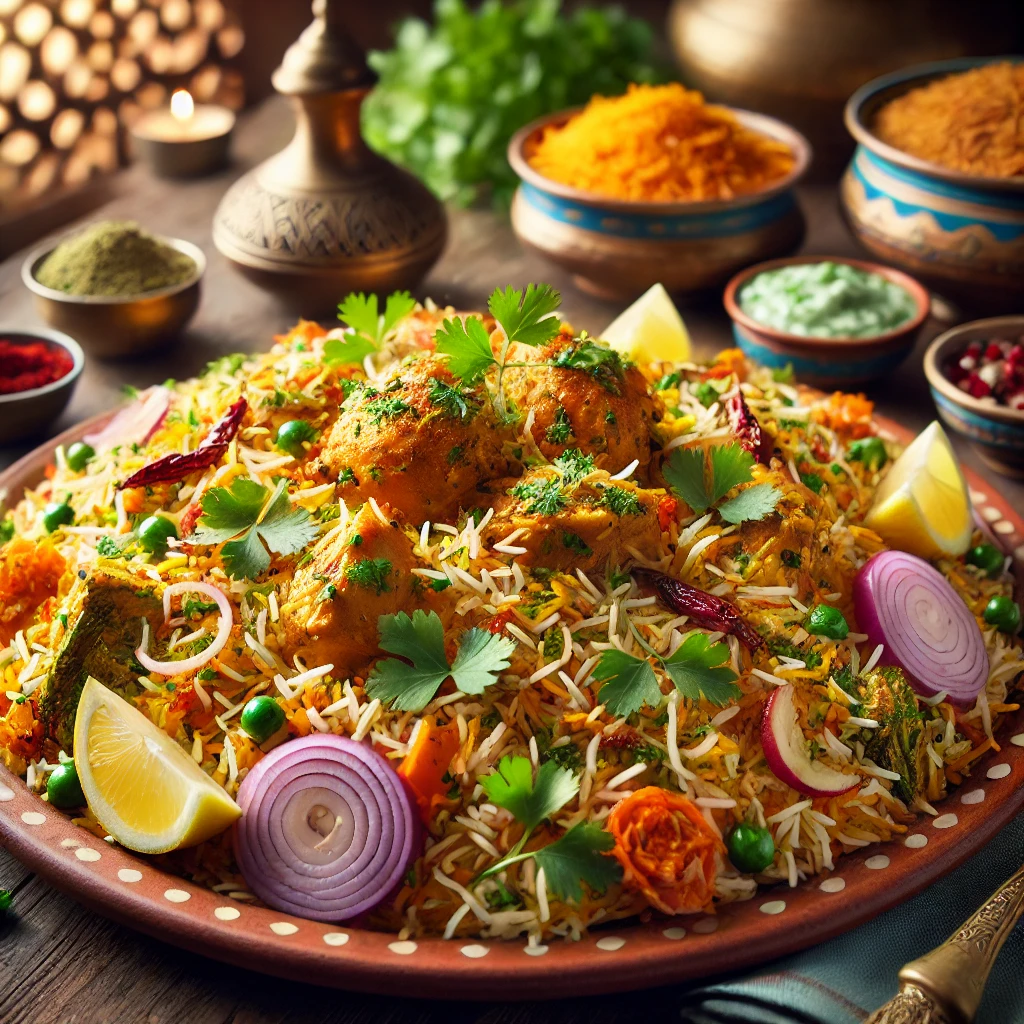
column 424, row 767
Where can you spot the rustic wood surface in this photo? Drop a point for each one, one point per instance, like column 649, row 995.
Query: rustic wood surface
column 60, row 963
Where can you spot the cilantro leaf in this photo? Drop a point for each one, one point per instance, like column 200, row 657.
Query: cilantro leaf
column 227, row 512
column 454, row 402
column 468, row 347
column 541, row 497
column 513, row 787
column 359, row 312
column 600, row 362
column 526, row 316
column 482, row 655
column 754, row 503
column 698, row 669
column 684, row 473
column 371, row 573
column 629, row 683
column 420, row 640
column 574, row 465
column 730, row 466
column 352, row 348
column 561, row 428
column 398, row 306
column 580, row 855
column 622, row 502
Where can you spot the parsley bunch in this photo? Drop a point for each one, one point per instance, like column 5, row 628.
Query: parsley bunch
column 250, row 522
column 412, row 684
column 578, row 856
column 367, row 327
column 702, row 478
column 697, row 668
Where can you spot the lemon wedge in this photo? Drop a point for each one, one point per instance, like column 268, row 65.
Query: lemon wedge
column 651, row 330
column 923, row 505
column 144, row 789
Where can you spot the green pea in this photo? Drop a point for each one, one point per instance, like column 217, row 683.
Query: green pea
column 1003, row 613
column 63, row 788
column 871, row 451
column 262, row 717
column 78, row 455
column 823, row 620
column 154, row 533
column 291, row 434
column 988, row 558
column 751, row 848
column 57, row 514
column 6, row 900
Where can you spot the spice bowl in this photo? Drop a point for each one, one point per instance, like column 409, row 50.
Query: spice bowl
column 996, row 431
column 961, row 234
column 618, row 248
column 26, row 413
column 826, row 362
column 116, row 326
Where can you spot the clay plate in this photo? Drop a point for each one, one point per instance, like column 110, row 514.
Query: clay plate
column 626, row 955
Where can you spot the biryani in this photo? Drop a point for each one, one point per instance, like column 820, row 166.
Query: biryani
column 457, row 624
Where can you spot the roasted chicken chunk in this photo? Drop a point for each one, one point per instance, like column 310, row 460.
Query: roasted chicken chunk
column 422, row 443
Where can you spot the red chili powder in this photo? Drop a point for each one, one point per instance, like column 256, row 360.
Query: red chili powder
column 32, row 365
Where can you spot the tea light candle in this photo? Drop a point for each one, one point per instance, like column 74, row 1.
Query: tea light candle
column 185, row 140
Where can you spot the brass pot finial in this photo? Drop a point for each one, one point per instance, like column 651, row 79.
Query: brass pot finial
column 326, row 215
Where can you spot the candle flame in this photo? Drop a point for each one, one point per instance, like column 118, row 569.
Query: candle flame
column 182, row 106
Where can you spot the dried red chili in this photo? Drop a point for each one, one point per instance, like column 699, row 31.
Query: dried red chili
column 24, row 367
column 172, row 468
column 746, row 429
column 705, row 609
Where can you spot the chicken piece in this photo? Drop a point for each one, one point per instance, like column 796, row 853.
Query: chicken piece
column 105, row 613
column 30, row 575
column 571, row 524
column 588, row 399
column 422, row 443
column 355, row 576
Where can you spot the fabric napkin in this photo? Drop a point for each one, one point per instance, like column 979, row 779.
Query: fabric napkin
column 843, row 980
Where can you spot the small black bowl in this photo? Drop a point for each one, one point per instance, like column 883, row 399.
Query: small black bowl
column 25, row 413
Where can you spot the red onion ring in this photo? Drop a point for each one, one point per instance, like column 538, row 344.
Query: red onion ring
column 366, row 832
column 923, row 624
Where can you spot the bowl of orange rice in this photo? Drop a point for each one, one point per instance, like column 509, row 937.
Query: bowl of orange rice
column 657, row 186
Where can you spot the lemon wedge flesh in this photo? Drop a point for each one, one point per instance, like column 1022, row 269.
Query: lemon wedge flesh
column 923, row 505
column 651, row 330
column 144, row 789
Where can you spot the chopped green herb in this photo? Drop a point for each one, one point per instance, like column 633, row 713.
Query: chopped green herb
column 371, row 573
column 622, row 502
column 561, row 430
column 541, row 497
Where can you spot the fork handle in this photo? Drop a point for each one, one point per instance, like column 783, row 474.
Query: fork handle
column 954, row 974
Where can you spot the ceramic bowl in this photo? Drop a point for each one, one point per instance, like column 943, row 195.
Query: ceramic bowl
column 826, row 362
column 996, row 431
column 962, row 235
column 618, row 248
column 109, row 326
column 25, row 413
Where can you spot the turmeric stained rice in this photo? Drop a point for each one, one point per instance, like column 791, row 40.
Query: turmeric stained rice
column 660, row 143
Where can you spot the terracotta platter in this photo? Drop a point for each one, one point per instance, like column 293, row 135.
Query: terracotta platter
column 625, row 955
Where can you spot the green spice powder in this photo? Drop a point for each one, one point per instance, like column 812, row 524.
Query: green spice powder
column 114, row 258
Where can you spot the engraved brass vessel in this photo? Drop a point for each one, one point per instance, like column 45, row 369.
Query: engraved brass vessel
column 326, row 215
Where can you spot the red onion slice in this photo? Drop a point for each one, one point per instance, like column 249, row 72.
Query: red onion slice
column 925, row 627
column 327, row 828
column 135, row 423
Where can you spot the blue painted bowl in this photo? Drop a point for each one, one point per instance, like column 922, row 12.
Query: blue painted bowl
column 996, row 431
column 961, row 234
column 618, row 248
column 826, row 362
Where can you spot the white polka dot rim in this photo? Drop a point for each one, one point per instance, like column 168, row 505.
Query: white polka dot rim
column 975, row 796
column 86, row 854
column 773, row 907
column 1004, row 526
column 610, row 943
column 336, row 938
column 945, row 821
column 877, row 863
column 475, row 951
column 129, row 875
column 406, row 948
column 227, row 913
column 284, row 928
column 177, row 895
column 535, row 950
column 674, row 933
column 833, row 885
column 916, row 841
column 32, row 817
column 1018, row 740
column 705, row 926
column 998, row 771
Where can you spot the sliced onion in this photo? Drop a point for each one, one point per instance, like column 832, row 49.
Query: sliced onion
column 785, row 750
column 177, row 668
column 925, row 627
column 327, row 829
column 135, row 423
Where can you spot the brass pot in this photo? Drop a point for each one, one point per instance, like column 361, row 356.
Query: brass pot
column 799, row 60
column 326, row 215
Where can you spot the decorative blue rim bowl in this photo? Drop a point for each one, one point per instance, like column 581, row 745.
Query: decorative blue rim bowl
column 618, row 248
column 961, row 234
column 826, row 362
column 996, row 431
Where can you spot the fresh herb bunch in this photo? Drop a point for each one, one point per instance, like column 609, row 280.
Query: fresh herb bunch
column 451, row 95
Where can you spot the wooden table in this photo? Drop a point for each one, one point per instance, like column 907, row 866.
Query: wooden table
column 60, row 963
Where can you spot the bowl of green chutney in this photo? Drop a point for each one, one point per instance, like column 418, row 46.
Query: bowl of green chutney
column 116, row 289
column 835, row 321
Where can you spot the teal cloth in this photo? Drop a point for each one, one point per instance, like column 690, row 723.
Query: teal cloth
column 842, row 981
